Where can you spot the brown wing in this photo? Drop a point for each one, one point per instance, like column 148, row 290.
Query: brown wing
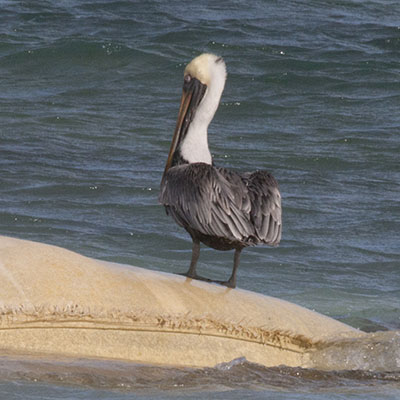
column 221, row 203
column 266, row 208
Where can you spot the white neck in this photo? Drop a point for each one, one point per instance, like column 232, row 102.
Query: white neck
column 194, row 147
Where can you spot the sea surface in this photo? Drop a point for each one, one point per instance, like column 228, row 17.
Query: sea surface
column 89, row 95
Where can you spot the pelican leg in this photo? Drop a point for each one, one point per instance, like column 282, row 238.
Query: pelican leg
column 192, row 269
column 195, row 256
column 231, row 283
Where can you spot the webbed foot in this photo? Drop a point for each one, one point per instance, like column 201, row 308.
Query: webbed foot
column 228, row 284
column 195, row 276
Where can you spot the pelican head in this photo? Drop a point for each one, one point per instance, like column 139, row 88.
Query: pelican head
column 203, row 84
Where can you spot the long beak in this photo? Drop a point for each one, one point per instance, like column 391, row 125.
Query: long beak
column 192, row 95
column 183, row 108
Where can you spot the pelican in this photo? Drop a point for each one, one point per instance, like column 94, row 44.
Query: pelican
column 223, row 209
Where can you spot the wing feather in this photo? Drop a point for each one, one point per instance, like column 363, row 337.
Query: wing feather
column 218, row 202
column 266, row 211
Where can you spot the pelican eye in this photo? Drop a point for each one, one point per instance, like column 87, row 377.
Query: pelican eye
column 187, row 78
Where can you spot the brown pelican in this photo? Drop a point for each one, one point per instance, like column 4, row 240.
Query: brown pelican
column 223, row 209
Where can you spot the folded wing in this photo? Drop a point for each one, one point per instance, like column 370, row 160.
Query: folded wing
column 221, row 203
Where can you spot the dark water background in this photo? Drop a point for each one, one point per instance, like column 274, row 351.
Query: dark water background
column 89, row 94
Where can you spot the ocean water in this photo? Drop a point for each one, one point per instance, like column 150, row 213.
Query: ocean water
column 89, row 94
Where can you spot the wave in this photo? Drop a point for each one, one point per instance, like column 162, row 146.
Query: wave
column 370, row 362
column 377, row 352
column 70, row 52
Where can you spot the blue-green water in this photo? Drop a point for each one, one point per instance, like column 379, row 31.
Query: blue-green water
column 89, row 94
